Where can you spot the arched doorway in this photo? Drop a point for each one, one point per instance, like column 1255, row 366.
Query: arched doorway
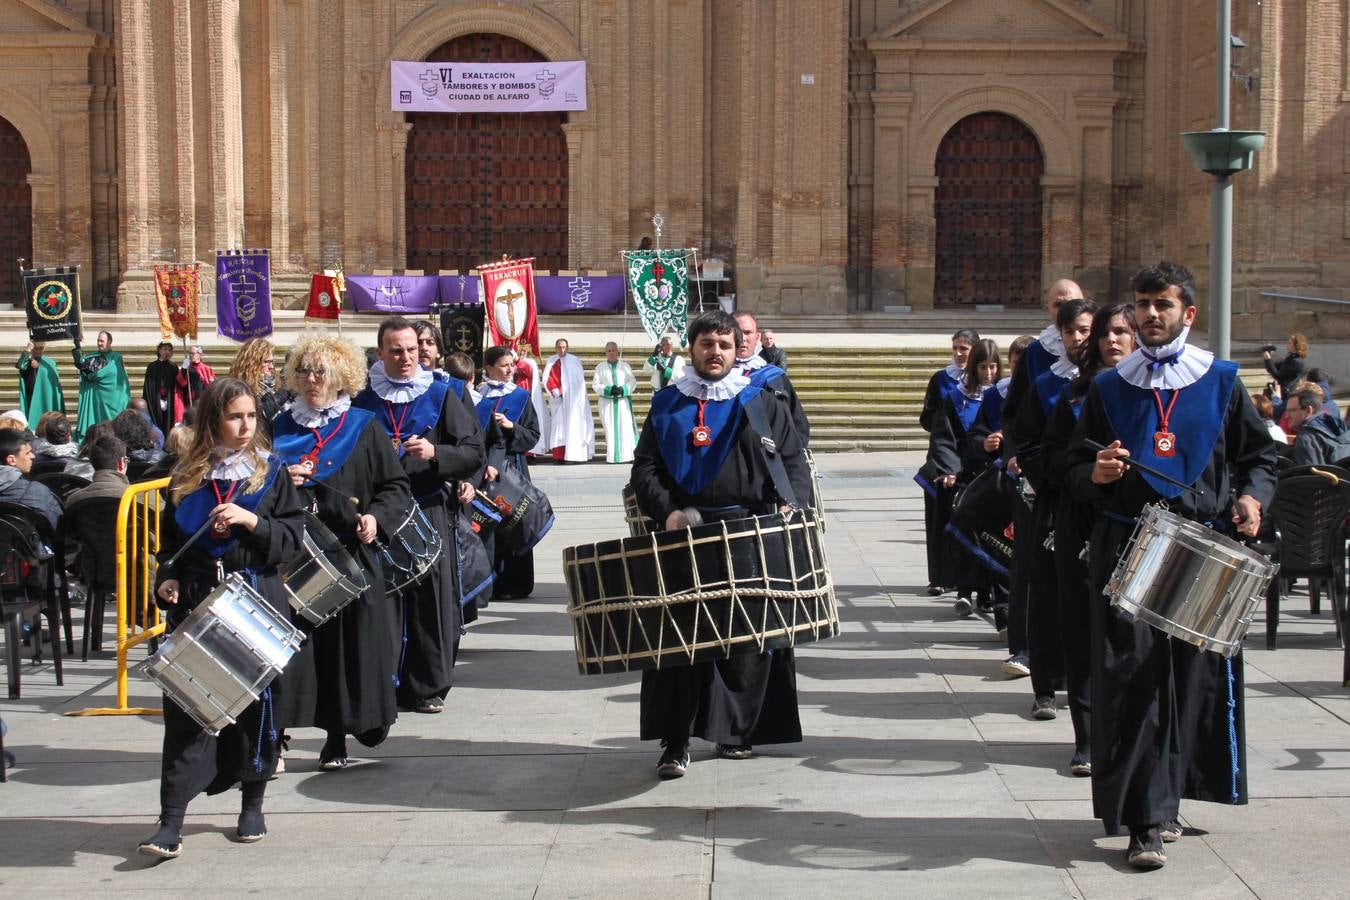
column 479, row 185
column 16, row 210
column 988, row 210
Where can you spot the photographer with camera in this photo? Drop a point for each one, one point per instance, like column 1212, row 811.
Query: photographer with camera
column 1289, row 371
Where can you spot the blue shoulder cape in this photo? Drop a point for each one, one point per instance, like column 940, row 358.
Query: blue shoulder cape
column 1036, row 360
column 993, row 408
column 512, row 404
column 415, row 416
column 966, row 408
column 673, row 416
column 196, row 506
column 1048, row 388
column 1196, row 420
column 290, row 440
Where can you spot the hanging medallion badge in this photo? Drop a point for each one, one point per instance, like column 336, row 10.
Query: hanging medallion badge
column 220, row 527
column 309, row 462
column 1164, row 444
column 702, row 435
column 398, row 445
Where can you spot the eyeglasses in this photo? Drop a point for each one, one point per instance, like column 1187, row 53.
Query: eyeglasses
column 311, row 373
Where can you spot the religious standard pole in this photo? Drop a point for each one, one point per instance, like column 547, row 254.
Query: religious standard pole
column 1221, row 200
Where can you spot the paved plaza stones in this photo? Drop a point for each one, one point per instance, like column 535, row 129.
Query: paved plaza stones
column 921, row 773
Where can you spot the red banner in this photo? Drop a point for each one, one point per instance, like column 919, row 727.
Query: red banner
column 325, row 296
column 176, row 292
column 508, row 293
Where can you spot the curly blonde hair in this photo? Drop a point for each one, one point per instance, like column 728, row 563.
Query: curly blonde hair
column 248, row 362
column 1300, row 343
column 345, row 362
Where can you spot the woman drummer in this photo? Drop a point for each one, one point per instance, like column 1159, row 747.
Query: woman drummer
column 225, row 477
column 352, row 481
column 510, row 430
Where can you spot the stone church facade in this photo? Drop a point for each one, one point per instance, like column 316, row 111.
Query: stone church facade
column 838, row 156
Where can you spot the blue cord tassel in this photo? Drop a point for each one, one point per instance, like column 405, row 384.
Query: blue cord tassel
column 403, row 654
column 264, row 723
column 1232, row 727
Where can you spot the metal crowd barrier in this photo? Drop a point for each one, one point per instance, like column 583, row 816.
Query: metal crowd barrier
column 138, row 618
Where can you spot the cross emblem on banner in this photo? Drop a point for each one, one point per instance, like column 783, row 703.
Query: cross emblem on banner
column 244, row 290
column 581, row 291
column 431, row 82
column 509, row 297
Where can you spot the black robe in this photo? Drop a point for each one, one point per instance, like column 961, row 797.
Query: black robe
column 343, row 679
column 431, row 612
column 748, row 698
column 507, row 449
column 947, row 456
column 194, row 761
column 1162, row 725
column 158, row 393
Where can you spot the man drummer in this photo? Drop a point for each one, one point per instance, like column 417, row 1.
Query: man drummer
column 704, row 456
column 434, row 430
column 1168, row 718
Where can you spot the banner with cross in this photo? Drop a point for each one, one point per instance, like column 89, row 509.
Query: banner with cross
column 176, row 293
column 659, row 281
column 508, row 289
column 243, row 294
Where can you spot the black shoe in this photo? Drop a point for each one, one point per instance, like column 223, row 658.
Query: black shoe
column 1146, row 849
column 1043, row 708
column 430, row 705
column 934, row 590
column 1170, row 832
column 167, row 843
column 1081, row 764
column 333, row 756
column 734, row 751
column 963, row 607
column 984, row 604
column 252, row 827
column 674, row 762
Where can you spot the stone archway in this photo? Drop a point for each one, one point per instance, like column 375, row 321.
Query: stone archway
column 16, row 208
column 480, row 185
column 988, row 213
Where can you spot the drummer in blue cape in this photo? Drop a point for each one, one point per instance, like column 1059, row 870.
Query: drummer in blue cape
column 343, row 678
column 700, row 460
column 228, row 483
column 1168, row 719
column 432, row 426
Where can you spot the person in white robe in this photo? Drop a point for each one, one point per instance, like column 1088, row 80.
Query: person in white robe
column 614, row 383
column 569, row 430
column 527, row 379
column 664, row 365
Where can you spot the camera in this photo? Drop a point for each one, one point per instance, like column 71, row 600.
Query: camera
column 1267, row 348
column 1271, row 387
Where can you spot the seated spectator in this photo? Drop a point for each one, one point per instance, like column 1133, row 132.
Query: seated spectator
column 109, row 458
column 1266, row 410
column 141, row 407
column 179, row 439
column 1322, row 379
column 56, row 444
column 134, row 429
column 40, row 431
column 1319, row 439
column 16, row 460
column 14, row 420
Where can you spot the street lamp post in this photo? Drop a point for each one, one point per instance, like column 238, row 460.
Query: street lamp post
column 1222, row 153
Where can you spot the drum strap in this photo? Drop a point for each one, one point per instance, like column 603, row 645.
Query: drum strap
column 754, row 414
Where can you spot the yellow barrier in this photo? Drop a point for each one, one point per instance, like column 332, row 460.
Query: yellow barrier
column 137, row 616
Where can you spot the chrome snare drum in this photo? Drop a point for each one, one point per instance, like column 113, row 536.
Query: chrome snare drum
column 412, row 551
column 323, row 578
column 1189, row 581
column 224, row 655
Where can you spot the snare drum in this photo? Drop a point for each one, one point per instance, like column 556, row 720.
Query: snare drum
column 412, row 551
column 224, row 655
column 323, row 578
column 1189, row 581
column 674, row 598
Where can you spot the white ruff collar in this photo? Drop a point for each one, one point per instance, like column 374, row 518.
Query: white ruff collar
column 307, row 416
column 493, row 389
column 237, row 465
column 752, row 362
column 979, row 392
column 691, row 384
column 955, row 372
column 1052, row 340
column 399, row 391
column 1169, row 367
column 1002, row 387
column 1064, row 367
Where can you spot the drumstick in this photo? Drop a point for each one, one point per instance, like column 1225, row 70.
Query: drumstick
column 190, row 541
column 1147, row 470
column 313, row 482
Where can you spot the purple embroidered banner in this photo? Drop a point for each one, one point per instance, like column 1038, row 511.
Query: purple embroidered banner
column 391, row 293
column 579, row 293
column 243, row 294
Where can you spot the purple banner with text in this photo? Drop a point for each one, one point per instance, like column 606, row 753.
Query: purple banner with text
column 243, row 294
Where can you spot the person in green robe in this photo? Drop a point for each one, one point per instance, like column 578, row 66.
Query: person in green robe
column 104, row 389
column 39, row 383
